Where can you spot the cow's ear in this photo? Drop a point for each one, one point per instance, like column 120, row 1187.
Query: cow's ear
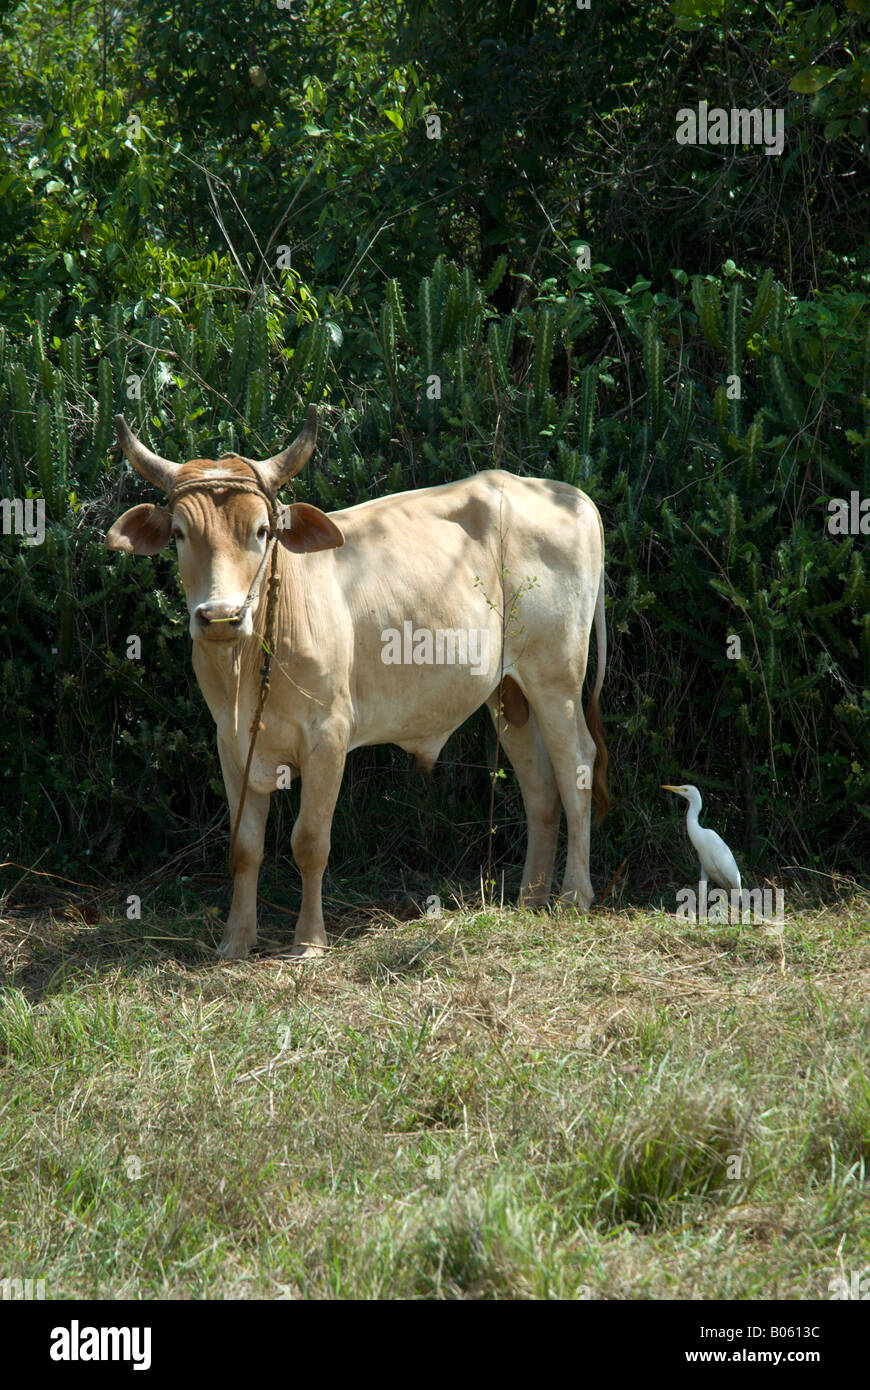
column 305, row 528
column 144, row 530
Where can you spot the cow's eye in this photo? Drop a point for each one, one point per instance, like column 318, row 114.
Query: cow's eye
column 262, row 532
column 177, row 535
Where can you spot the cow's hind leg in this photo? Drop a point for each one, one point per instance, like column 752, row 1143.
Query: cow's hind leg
column 572, row 753
column 534, row 770
column 240, row 933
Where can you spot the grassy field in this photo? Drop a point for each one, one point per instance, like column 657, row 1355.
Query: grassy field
column 491, row 1105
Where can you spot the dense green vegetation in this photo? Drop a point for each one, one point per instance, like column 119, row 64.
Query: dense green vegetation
column 211, row 217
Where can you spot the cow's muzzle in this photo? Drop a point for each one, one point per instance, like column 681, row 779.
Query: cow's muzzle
column 218, row 622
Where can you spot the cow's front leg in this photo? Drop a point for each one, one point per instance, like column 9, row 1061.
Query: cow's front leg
column 240, row 933
column 322, row 771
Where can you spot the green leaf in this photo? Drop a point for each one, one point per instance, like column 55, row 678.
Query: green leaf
column 693, row 14
column 811, row 80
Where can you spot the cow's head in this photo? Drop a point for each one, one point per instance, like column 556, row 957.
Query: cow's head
column 221, row 533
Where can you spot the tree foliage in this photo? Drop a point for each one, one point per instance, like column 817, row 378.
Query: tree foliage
column 213, row 217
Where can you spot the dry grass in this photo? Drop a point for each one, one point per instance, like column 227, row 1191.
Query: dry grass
column 494, row 1104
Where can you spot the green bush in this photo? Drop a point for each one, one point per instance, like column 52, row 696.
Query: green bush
column 714, row 509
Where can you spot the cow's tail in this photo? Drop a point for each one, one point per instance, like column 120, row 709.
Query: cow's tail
column 600, row 793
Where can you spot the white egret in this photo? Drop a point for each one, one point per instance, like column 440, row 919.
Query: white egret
column 717, row 861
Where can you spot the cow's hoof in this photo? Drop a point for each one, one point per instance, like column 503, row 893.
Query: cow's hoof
column 577, row 899
column 307, row 951
column 535, row 902
column 234, row 949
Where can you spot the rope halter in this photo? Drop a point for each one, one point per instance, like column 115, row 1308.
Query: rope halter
column 258, row 486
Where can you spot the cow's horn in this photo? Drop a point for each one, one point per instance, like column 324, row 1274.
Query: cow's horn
column 280, row 467
column 155, row 469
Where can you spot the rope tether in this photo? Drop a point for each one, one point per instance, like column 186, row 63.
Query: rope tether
column 259, row 487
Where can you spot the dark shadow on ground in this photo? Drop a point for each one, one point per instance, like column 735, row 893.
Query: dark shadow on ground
column 45, row 949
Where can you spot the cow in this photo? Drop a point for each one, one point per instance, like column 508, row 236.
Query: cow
column 376, row 607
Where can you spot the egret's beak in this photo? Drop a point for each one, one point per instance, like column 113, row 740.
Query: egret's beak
column 665, row 787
